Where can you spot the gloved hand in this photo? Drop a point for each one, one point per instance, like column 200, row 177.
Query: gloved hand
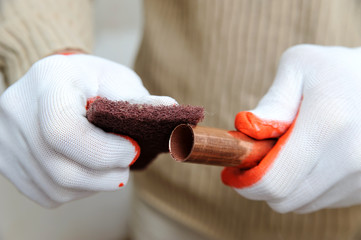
column 48, row 149
column 315, row 106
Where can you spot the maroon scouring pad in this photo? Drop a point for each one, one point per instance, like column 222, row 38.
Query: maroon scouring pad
column 151, row 126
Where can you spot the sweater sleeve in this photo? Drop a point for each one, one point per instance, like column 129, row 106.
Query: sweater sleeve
column 33, row 29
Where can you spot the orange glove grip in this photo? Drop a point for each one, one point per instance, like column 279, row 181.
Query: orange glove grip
column 255, row 127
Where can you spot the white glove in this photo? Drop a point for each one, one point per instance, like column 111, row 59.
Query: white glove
column 48, row 149
column 316, row 164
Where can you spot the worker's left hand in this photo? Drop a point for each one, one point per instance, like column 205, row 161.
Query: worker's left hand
column 314, row 106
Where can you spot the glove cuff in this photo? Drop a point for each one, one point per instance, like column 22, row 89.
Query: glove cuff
column 68, row 52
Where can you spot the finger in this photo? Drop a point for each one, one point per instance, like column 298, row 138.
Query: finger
column 155, row 100
column 65, row 128
column 258, row 128
column 69, row 175
column 114, row 81
column 18, row 175
column 239, row 178
column 33, row 180
column 35, row 193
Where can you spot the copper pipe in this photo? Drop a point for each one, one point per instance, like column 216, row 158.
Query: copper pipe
column 212, row 146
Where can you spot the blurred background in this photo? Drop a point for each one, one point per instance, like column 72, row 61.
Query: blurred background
column 118, row 28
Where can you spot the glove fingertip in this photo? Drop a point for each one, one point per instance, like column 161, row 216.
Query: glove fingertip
column 136, row 148
column 161, row 100
column 255, row 127
column 135, row 145
column 90, row 101
column 248, row 123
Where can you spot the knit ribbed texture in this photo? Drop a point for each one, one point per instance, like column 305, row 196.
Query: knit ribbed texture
column 33, row 29
column 223, row 55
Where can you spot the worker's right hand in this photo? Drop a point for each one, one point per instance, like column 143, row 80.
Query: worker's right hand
column 48, row 149
column 313, row 107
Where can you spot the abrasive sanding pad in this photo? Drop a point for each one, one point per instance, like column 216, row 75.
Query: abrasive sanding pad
column 151, row 126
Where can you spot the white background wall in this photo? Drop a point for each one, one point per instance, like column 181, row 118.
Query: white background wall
column 104, row 215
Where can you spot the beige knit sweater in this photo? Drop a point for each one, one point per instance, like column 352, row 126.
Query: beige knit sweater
column 221, row 54
column 33, row 29
column 224, row 55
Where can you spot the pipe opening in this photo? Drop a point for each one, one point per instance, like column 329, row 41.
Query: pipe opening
column 181, row 142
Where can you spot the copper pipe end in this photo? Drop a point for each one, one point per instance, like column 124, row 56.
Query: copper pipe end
column 212, row 146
